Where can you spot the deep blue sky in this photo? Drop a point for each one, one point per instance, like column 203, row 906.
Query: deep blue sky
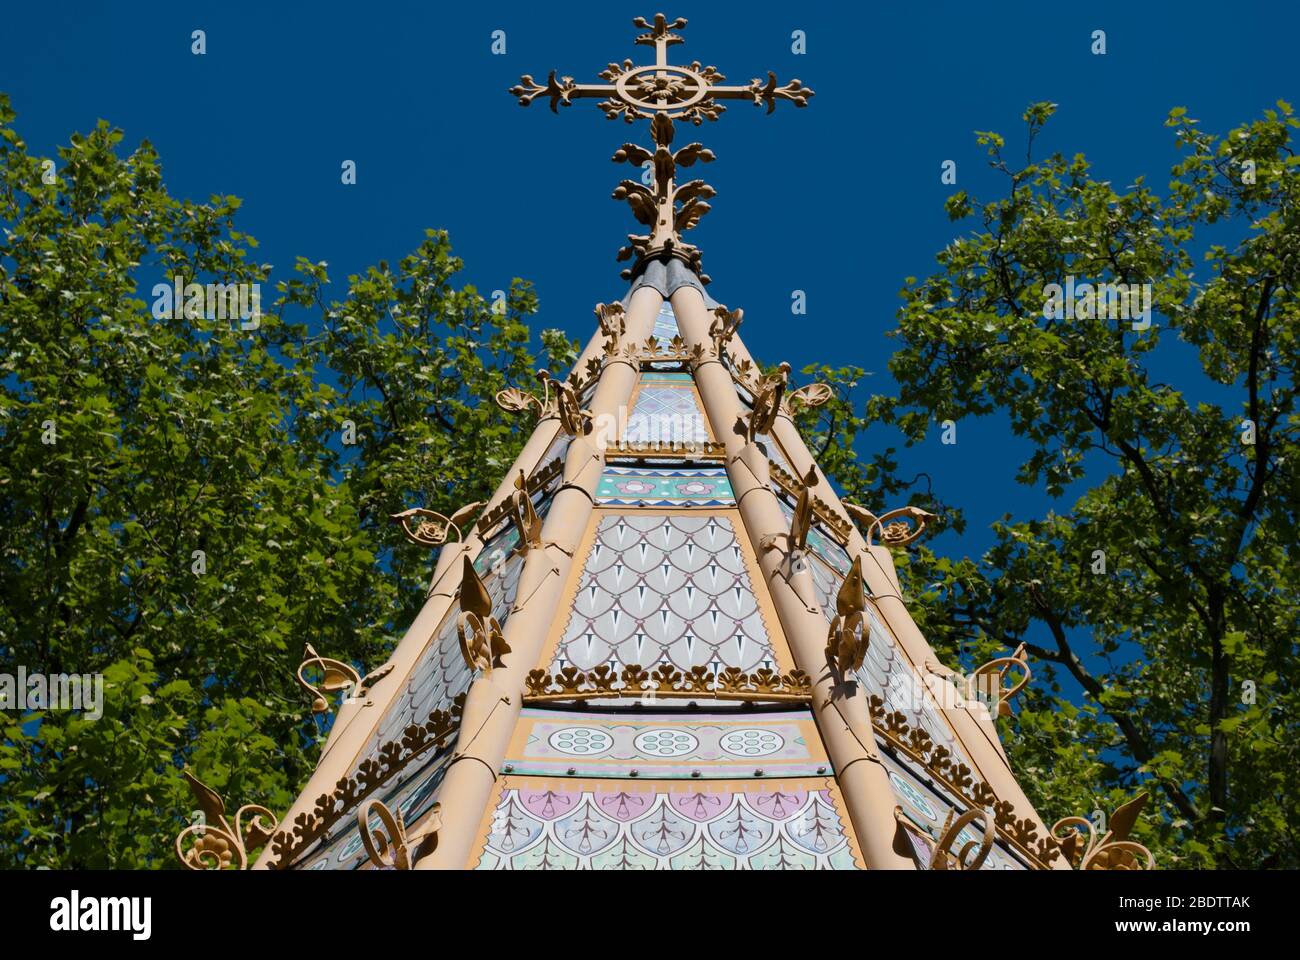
column 842, row 200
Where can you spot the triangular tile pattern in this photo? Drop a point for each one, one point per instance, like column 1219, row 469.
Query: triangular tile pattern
column 666, row 327
column 665, row 589
column 666, row 410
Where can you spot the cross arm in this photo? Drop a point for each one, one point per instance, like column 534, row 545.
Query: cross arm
column 559, row 90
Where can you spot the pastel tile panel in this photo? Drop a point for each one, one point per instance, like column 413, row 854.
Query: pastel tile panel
column 649, row 487
column 543, row 823
column 653, row 745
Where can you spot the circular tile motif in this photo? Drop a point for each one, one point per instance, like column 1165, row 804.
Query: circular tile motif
column 752, row 742
column 912, row 795
column 666, row 743
column 580, row 741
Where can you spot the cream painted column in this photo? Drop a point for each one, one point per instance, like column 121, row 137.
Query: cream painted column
column 976, row 735
column 495, row 699
column 356, row 721
column 845, row 720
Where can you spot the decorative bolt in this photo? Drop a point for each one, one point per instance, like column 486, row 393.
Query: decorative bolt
column 635, row 773
column 821, row 769
column 572, row 771
column 695, row 773
column 509, row 768
column 758, row 772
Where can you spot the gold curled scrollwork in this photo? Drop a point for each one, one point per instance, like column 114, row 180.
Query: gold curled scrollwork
column 988, row 682
column 389, row 847
column 897, row 528
column 427, row 528
column 216, row 843
column 1113, row 851
column 812, row 395
column 335, row 676
column 944, row 857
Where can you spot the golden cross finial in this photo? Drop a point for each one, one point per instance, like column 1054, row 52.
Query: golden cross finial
column 662, row 93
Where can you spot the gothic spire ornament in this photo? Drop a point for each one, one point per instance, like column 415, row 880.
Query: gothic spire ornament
column 664, row 94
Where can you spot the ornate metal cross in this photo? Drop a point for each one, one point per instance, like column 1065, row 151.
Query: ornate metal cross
column 662, row 93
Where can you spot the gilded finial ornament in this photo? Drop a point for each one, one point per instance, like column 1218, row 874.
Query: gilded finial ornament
column 335, row 676
column 767, row 404
column 847, row 636
column 216, row 843
column 990, row 681
column 559, row 398
column 662, row 93
column 1114, row 850
column 723, row 328
column 897, row 528
column 428, row 528
column 482, row 645
column 389, row 847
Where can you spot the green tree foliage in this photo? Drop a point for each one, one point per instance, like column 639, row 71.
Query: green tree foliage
column 1174, row 670
column 130, row 443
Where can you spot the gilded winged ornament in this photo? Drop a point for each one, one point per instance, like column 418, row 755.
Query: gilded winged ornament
column 428, row 528
column 388, row 846
column 335, row 675
column 897, row 528
column 482, row 645
column 215, row 843
column 1114, row 850
column 848, row 635
column 1000, row 680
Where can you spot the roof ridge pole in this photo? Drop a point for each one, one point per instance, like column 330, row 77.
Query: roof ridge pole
column 347, row 743
column 495, row 698
column 972, row 731
column 842, row 715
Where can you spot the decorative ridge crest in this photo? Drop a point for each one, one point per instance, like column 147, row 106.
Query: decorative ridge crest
column 392, row 757
column 666, row 681
column 508, row 506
